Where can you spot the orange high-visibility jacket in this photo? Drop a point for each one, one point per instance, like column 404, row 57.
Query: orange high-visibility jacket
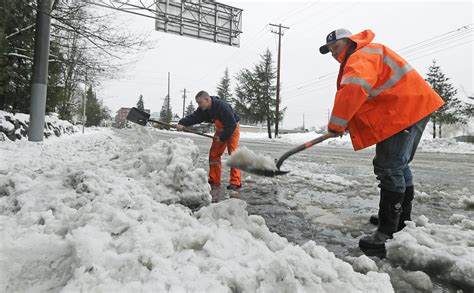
column 378, row 94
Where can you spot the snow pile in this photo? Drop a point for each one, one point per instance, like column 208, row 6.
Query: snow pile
column 362, row 264
column 15, row 126
column 167, row 169
column 457, row 199
column 245, row 159
column 87, row 213
column 446, row 145
column 445, row 250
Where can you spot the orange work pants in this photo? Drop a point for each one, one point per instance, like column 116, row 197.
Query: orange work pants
column 216, row 152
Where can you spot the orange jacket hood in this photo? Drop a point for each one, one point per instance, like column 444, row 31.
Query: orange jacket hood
column 363, row 38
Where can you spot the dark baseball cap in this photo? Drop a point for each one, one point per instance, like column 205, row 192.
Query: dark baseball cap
column 334, row 36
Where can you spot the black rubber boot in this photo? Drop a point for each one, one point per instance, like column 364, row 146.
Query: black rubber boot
column 374, row 219
column 390, row 208
column 233, row 187
column 406, row 209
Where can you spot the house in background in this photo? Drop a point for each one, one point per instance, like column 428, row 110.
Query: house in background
column 121, row 117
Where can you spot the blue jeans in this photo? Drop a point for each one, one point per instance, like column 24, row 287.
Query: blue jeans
column 393, row 155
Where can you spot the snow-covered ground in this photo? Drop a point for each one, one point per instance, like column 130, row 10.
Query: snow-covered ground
column 120, row 210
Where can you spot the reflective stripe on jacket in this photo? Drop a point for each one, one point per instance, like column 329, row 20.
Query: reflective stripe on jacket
column 378, row 94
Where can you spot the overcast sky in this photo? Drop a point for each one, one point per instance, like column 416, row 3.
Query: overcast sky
column 419, row 31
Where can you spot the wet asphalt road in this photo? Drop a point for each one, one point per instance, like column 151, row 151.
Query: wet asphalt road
column 330, row 193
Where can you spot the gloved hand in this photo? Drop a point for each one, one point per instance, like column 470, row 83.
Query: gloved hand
column 180, row 127
column 218, row 139
column 334, row 133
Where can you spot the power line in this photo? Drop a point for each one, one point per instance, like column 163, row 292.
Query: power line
column 450, row 32
column 314, row 14
column 290, row 14
column 442, row 50
column 437, row 43
column 256, row 36
column 412, row 51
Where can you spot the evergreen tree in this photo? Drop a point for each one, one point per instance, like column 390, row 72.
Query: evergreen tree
column 223, row 89
column 55, row 82
column 166, row 113
column 16, row 53
column 93, row 111
column 451, row 111
column 246, row 96
column 190, row 109
column 255, row 93
column 140, row 105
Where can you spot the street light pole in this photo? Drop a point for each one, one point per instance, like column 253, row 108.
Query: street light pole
column 39, row 85
column 84, row 104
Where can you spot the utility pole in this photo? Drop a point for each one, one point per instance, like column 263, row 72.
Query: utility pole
column 184, row 101
column 303, row 123
column 39, row 84
column 169, row 100
column 277, row 111
column 84, row 104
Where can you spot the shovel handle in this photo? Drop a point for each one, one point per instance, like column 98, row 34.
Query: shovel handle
column 184, row 129
column 304, row 146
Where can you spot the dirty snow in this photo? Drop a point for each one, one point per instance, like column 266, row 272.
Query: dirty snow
column 447, row 250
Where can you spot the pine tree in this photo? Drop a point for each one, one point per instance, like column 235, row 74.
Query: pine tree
column 451, row 111
column 140, row 104
column 223, row 89
column 166, row 113
column 93, row 111
column 255, row 93
column 190, row 109
column 16, row 53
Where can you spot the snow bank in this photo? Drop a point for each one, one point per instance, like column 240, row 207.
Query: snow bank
column 445, row 250
column 15, row 126
column 446, row 145
column 95, row 213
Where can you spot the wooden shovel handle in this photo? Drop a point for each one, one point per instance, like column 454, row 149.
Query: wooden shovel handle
column 184, row 129
column 303, row 147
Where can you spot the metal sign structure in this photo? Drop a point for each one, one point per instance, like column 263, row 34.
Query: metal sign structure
column 201, row 19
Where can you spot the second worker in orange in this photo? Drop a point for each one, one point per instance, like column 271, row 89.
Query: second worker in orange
column 212, row 109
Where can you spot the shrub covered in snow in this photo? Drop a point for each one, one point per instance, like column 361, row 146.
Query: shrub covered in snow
column 15, row 126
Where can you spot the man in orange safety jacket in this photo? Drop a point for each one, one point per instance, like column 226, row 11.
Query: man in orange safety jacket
column 381, row 100
column 212, row 109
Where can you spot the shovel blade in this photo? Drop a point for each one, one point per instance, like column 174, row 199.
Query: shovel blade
column 137, row 116
column 266, row 173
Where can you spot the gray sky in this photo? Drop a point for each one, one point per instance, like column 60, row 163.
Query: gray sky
column 308, row 78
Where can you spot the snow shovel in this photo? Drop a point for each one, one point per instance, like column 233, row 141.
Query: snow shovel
column 275, row 171
column 140, row 117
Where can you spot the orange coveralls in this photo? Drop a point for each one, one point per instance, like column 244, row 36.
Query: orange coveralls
column 216, row 152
